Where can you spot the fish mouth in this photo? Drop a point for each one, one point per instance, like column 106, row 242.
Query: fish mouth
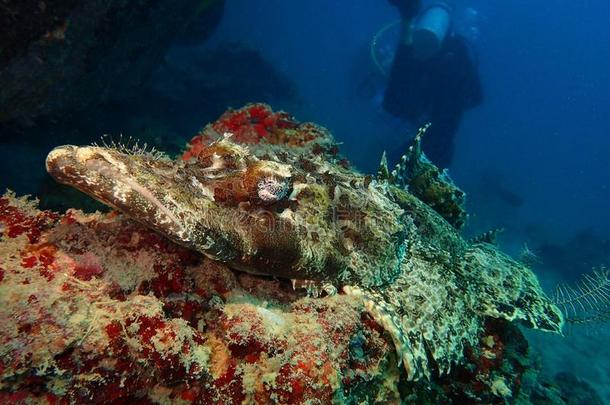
column 79, row 167
column 60, row 161
column 99, row 174
column 140, row 188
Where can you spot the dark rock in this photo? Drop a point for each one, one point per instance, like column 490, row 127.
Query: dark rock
column 67, row 55
column 203, row 82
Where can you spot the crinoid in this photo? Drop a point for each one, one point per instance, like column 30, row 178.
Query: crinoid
column 588, row 301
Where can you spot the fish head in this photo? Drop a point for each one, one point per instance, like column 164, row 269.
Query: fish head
column 276, row 212
column 222, row 202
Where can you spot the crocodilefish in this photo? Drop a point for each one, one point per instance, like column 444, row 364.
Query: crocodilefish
column 268, row 195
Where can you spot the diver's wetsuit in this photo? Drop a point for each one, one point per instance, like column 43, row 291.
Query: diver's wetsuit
column 407, row 8
column 436, row 90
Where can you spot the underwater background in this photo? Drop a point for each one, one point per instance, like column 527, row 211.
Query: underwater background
column 533, row 157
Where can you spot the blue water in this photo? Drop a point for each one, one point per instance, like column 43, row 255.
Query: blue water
column 542, row 133
column 544, row 128
column 534, row 157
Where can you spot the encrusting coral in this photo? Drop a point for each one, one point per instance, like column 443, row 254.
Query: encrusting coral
column 116, row 305
column 98, row 309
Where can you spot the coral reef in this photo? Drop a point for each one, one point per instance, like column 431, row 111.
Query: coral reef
column 96, row 308
column 202, row 300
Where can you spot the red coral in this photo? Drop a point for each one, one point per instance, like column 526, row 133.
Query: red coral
column 256, row 122
column 18, row 222
column 170, row 280
column 228, row 386
column 258, row 112
column 88, row 267
column 114, row 330
column 29, row 262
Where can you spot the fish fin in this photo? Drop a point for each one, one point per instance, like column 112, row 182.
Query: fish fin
column 314, row 288
column 382, row 313
column 509, row 290
column 486, row 237
column 416, row 173
column 433, row 313
column 426, row 314
column 383, row 173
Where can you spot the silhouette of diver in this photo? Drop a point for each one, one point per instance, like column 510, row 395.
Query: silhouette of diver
column 433, row 77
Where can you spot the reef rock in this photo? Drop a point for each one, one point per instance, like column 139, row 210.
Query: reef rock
column 97, row 309
column 67, row 55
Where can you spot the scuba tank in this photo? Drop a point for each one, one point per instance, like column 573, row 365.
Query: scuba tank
column 430, row 29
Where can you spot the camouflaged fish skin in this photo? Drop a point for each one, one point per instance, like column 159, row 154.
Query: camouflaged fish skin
column 269, row 195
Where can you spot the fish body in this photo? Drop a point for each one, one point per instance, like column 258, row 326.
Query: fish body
column 269, row 195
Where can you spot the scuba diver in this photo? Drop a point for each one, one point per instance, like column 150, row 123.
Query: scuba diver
column 433, row 77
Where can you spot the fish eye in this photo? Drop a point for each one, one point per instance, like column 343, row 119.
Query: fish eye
column 271, row 189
